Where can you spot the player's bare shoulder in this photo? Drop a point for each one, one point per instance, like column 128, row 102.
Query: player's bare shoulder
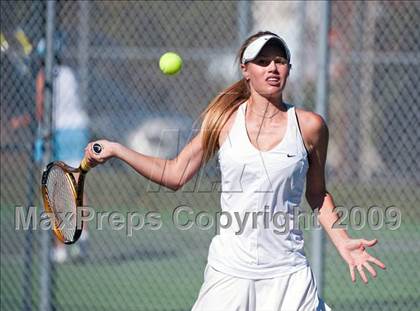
column 313, row 127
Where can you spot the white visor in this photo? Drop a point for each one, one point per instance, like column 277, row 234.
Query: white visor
column 254, row 48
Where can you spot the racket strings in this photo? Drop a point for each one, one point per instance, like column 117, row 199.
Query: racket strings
column 62, row 202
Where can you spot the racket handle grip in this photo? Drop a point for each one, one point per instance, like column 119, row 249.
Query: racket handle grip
column 84, row 165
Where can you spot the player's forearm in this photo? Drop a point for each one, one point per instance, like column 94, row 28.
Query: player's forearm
column 327, row 217
column 158, row 170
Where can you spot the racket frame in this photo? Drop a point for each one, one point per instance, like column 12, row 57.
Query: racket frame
column 77, row 190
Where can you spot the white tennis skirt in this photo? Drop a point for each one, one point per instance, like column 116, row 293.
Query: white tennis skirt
column 222, row 292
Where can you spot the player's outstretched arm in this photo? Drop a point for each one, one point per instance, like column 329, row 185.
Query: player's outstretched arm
column 353, row 251
column 172, row 173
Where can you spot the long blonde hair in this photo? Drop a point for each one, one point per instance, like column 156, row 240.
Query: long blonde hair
column 224, row 105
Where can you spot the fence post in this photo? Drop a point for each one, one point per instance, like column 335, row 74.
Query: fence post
column 47, row 264
column 83, row 50
column 318, row 238
column 299, row 72
column 244, row 9
column 243, row 17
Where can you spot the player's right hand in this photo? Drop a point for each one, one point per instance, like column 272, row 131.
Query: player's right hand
column 107, row 151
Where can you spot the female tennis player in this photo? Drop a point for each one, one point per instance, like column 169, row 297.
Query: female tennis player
column 266, row 149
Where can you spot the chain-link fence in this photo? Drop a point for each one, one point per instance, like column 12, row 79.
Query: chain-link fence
column 112, row 49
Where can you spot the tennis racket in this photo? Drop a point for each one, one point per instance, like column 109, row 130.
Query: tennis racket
column 63, row 197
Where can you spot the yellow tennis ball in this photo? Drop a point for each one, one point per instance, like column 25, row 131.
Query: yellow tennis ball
column 170, row 63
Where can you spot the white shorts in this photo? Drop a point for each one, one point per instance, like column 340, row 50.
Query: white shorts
column 222, row 292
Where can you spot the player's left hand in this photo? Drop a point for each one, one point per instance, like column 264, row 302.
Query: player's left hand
column 354, row 253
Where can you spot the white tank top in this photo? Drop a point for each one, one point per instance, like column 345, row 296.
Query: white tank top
column 268, row 186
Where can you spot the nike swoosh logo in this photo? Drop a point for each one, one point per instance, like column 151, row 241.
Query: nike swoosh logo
column 291, row 155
